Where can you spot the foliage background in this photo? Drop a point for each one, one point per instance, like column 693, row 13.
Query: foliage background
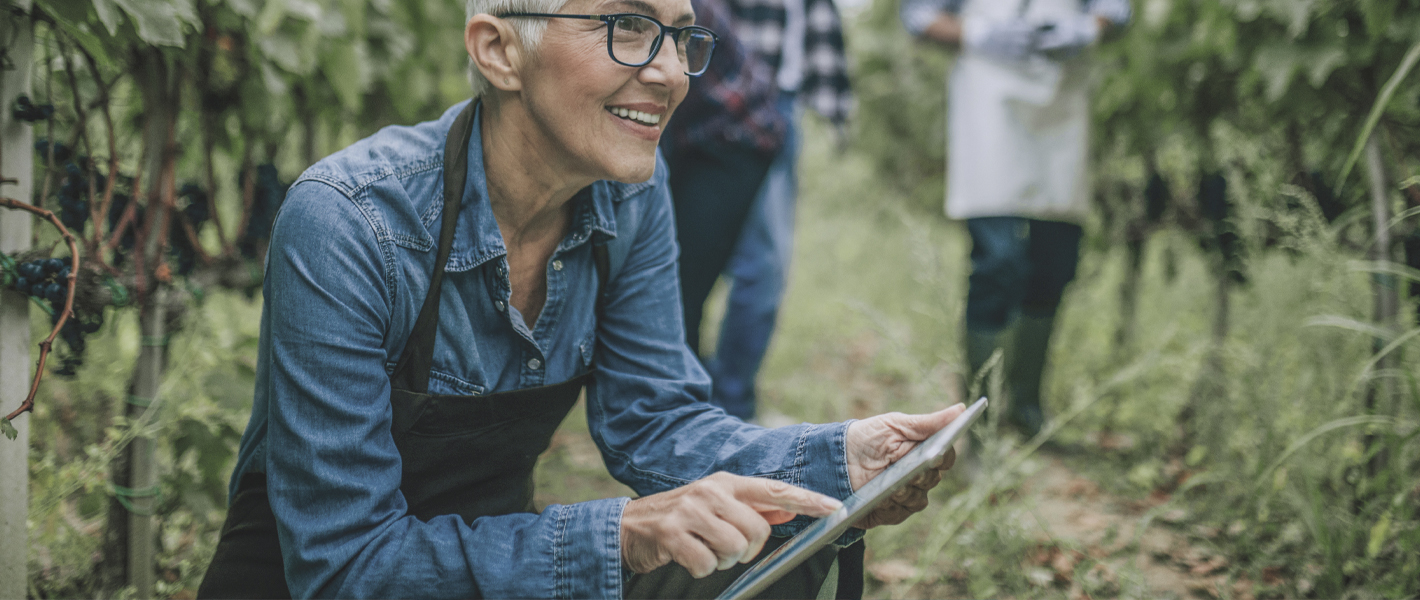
column 1271, row 95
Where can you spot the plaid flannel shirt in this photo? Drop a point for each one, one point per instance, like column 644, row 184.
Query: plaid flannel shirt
column 825, row 88
column 733, row 102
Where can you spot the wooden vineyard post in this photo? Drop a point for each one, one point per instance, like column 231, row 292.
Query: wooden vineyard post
column 17, row 162
column 143, row 478
column 136, row 471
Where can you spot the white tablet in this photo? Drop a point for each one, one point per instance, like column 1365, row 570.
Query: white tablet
column 823, row 531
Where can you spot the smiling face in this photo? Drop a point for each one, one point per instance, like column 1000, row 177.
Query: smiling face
column 592, row 116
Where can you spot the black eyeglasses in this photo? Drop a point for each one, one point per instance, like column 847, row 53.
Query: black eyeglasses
column 633, row 40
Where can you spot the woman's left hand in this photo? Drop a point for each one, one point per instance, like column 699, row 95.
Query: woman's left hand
column 875, row 444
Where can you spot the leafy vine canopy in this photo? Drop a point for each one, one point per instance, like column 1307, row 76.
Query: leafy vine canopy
column 339, row 60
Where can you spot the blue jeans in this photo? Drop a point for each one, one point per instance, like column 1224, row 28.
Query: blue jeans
column 758, row 271
column 1018, row 266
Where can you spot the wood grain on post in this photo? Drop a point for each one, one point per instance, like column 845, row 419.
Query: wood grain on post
column 16, row 161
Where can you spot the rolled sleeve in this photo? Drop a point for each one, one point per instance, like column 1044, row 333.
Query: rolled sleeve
column 588, row 559
column 333, row 471
column 647, row 406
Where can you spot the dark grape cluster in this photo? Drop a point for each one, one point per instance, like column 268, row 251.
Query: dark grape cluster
column 62, row 153
column 75, row 329
column 73, row 191
column 28, row 111
column 44, row 279
column 47, row 280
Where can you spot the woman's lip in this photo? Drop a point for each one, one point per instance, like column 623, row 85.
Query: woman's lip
column 645, row 132
column 649, row 108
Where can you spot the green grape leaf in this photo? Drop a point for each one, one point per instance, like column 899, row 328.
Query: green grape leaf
column 160, row 22
column 245, row 8
column 80, row 32
column 8, row 429
column 1297, row 14
column 274, row 84
column 309, row 10
column 1323, row 62
column 108, row 15
column 1277, row 63
column 284, row 52
column 271, row 16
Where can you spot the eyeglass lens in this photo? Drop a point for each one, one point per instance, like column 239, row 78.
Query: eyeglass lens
column 634, row 37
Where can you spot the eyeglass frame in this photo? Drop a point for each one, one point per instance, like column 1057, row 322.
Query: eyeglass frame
column 610, row 20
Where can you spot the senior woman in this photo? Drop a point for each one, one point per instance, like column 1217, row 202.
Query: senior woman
column 436, row 298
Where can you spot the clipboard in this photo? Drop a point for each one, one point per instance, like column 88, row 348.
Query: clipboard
column 823, row 531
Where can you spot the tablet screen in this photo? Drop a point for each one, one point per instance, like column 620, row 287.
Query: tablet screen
column 823, row 531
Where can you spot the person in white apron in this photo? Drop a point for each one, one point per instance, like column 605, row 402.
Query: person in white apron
column 1017, row 148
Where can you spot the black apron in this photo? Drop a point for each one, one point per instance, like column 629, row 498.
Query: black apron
column 505, row 431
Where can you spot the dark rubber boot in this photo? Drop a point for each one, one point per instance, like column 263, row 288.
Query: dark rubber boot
column 979, row 348
column 1028, row 355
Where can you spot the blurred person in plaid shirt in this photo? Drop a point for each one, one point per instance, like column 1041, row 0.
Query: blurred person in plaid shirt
column 733, row 158
column 719, row 147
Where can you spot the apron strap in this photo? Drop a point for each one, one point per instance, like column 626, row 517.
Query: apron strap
column 412, row 371
column 602, row 259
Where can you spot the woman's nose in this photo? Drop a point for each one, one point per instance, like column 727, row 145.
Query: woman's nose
column 666, row 67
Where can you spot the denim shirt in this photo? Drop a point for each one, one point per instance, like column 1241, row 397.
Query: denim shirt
column 350, row 259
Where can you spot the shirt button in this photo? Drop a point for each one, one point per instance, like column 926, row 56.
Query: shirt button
column 534, row 364
column 556, row 265
column 499, row 304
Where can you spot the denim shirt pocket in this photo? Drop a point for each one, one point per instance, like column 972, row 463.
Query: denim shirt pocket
column 452, row 385
column 443, row 383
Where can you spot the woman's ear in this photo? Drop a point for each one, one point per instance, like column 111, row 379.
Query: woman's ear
column 495, row 51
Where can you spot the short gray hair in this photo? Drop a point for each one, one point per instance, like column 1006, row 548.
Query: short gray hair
column 529, row 30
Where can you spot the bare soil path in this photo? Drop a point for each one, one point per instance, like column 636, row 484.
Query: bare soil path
column 1090, row 540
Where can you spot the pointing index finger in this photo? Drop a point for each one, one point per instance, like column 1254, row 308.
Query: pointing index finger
column 770, row 496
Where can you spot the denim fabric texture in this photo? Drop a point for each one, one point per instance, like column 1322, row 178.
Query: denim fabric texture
column 350, row 259
column 759, row 272
column 1018, row 265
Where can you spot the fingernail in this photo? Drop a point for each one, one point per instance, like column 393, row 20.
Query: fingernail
column 831, row 503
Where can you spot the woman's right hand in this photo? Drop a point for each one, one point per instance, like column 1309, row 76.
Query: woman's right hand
column 713, row 523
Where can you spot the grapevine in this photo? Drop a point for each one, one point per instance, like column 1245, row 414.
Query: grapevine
column 46, row 282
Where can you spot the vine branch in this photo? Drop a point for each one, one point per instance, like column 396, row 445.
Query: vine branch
column 64, row 315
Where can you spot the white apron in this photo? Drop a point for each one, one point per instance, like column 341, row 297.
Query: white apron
column 1018, row 131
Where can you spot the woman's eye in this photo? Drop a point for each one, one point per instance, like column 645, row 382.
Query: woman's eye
column 633, row 25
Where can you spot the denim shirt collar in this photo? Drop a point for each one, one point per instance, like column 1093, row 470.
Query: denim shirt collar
column 477, row 237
